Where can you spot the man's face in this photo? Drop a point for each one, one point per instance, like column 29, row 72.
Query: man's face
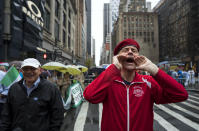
column 30, row 74
column 126, row 57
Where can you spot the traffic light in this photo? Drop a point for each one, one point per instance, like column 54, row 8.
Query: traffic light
column 45, row 56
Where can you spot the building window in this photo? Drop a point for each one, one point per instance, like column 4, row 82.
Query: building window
column 69, row 44
column 129, row 34
column 56, row 8
column 69, row 27
column 137, row 34
column 144, row 34
column 125, row 24
column 148, row 34
column 152, row 34
column 154, row 45
column 69, row 13
column 56, row 30
column 64, row 38
column 133, row 34
column 124, row 19
column 148, row 40
column 125, row 34
column 64, row 19
column 152, row 39
column 48, row 2
column 47, row 20
column 64, row 4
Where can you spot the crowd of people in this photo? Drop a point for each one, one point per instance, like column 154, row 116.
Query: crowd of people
column 37, row 102
column 186, row 77
column 39, row 98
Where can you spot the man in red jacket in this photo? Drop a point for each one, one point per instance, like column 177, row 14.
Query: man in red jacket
column 127, row 96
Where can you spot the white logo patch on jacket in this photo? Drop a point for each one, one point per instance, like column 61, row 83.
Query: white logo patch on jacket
column 138, row 92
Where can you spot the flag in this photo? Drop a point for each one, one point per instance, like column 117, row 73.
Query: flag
column 10, row 77
column 74, row 96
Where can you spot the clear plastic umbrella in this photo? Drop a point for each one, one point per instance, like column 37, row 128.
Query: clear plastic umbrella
column 54, row 66
column 72, row 69
column 82, row 68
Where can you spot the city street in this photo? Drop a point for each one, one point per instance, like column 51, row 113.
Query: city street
column 182, row 116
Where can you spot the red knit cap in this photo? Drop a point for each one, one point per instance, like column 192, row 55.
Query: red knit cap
column 126, row 42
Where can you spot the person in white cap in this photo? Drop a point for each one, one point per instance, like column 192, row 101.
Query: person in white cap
column 33, row 103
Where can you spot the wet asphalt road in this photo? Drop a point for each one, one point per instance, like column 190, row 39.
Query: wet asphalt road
column 182, row 116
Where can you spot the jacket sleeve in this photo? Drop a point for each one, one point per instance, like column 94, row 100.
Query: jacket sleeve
column 167, row 90
column 56, row 110
column 6, row 115
column 96, row 91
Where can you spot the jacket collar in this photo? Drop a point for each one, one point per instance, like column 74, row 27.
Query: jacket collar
column 137, row 79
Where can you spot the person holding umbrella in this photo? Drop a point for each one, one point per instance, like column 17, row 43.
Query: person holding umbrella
column 33, row 103
column 127, row 96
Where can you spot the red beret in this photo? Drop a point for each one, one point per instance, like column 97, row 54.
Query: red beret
column 124, row 43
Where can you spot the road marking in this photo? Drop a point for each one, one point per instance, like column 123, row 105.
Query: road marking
column 81, row 118
column 190, row 105
column 185, row 110
column 194, row 97
column 164, row 123
column 196, row 94
column 100, row 115
column 193, row 101
column 179, row 117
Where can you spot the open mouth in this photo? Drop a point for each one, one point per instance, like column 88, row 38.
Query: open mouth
column 129, row 60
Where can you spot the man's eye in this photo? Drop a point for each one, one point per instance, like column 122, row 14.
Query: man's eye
column 125, row 50
column 134, row 51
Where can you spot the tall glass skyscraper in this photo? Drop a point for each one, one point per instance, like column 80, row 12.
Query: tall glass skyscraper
column 114, row 11
column 107, row 20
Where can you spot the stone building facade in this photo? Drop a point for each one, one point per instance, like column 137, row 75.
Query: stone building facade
column 178, row 31
column 136, row 23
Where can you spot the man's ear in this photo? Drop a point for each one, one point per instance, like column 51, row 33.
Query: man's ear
column 41, row 70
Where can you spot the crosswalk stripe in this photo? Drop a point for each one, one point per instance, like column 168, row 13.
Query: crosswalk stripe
column 185, row 110
column 164, row 123
column 81, row 118
column 196, row 94
column 194, row 97
column 193, row 101
column 179, row 117
column 190, row 105
column 100, row 115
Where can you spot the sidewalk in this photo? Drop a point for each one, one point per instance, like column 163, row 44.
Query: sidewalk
column 194, row 87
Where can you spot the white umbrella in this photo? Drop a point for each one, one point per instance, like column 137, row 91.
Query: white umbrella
column 163, row 63
column 4, row 64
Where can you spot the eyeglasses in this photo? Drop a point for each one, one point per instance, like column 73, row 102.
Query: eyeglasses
column 126, row 49
column 25, row 69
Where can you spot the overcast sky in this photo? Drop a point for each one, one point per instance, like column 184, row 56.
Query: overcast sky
column 97, row 24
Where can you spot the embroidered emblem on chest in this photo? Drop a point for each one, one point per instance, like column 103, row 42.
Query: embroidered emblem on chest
column 138, row 92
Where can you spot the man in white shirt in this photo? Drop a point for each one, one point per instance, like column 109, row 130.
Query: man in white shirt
column 191, row 76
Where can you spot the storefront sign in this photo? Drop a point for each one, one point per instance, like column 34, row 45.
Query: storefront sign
column 33, row 12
